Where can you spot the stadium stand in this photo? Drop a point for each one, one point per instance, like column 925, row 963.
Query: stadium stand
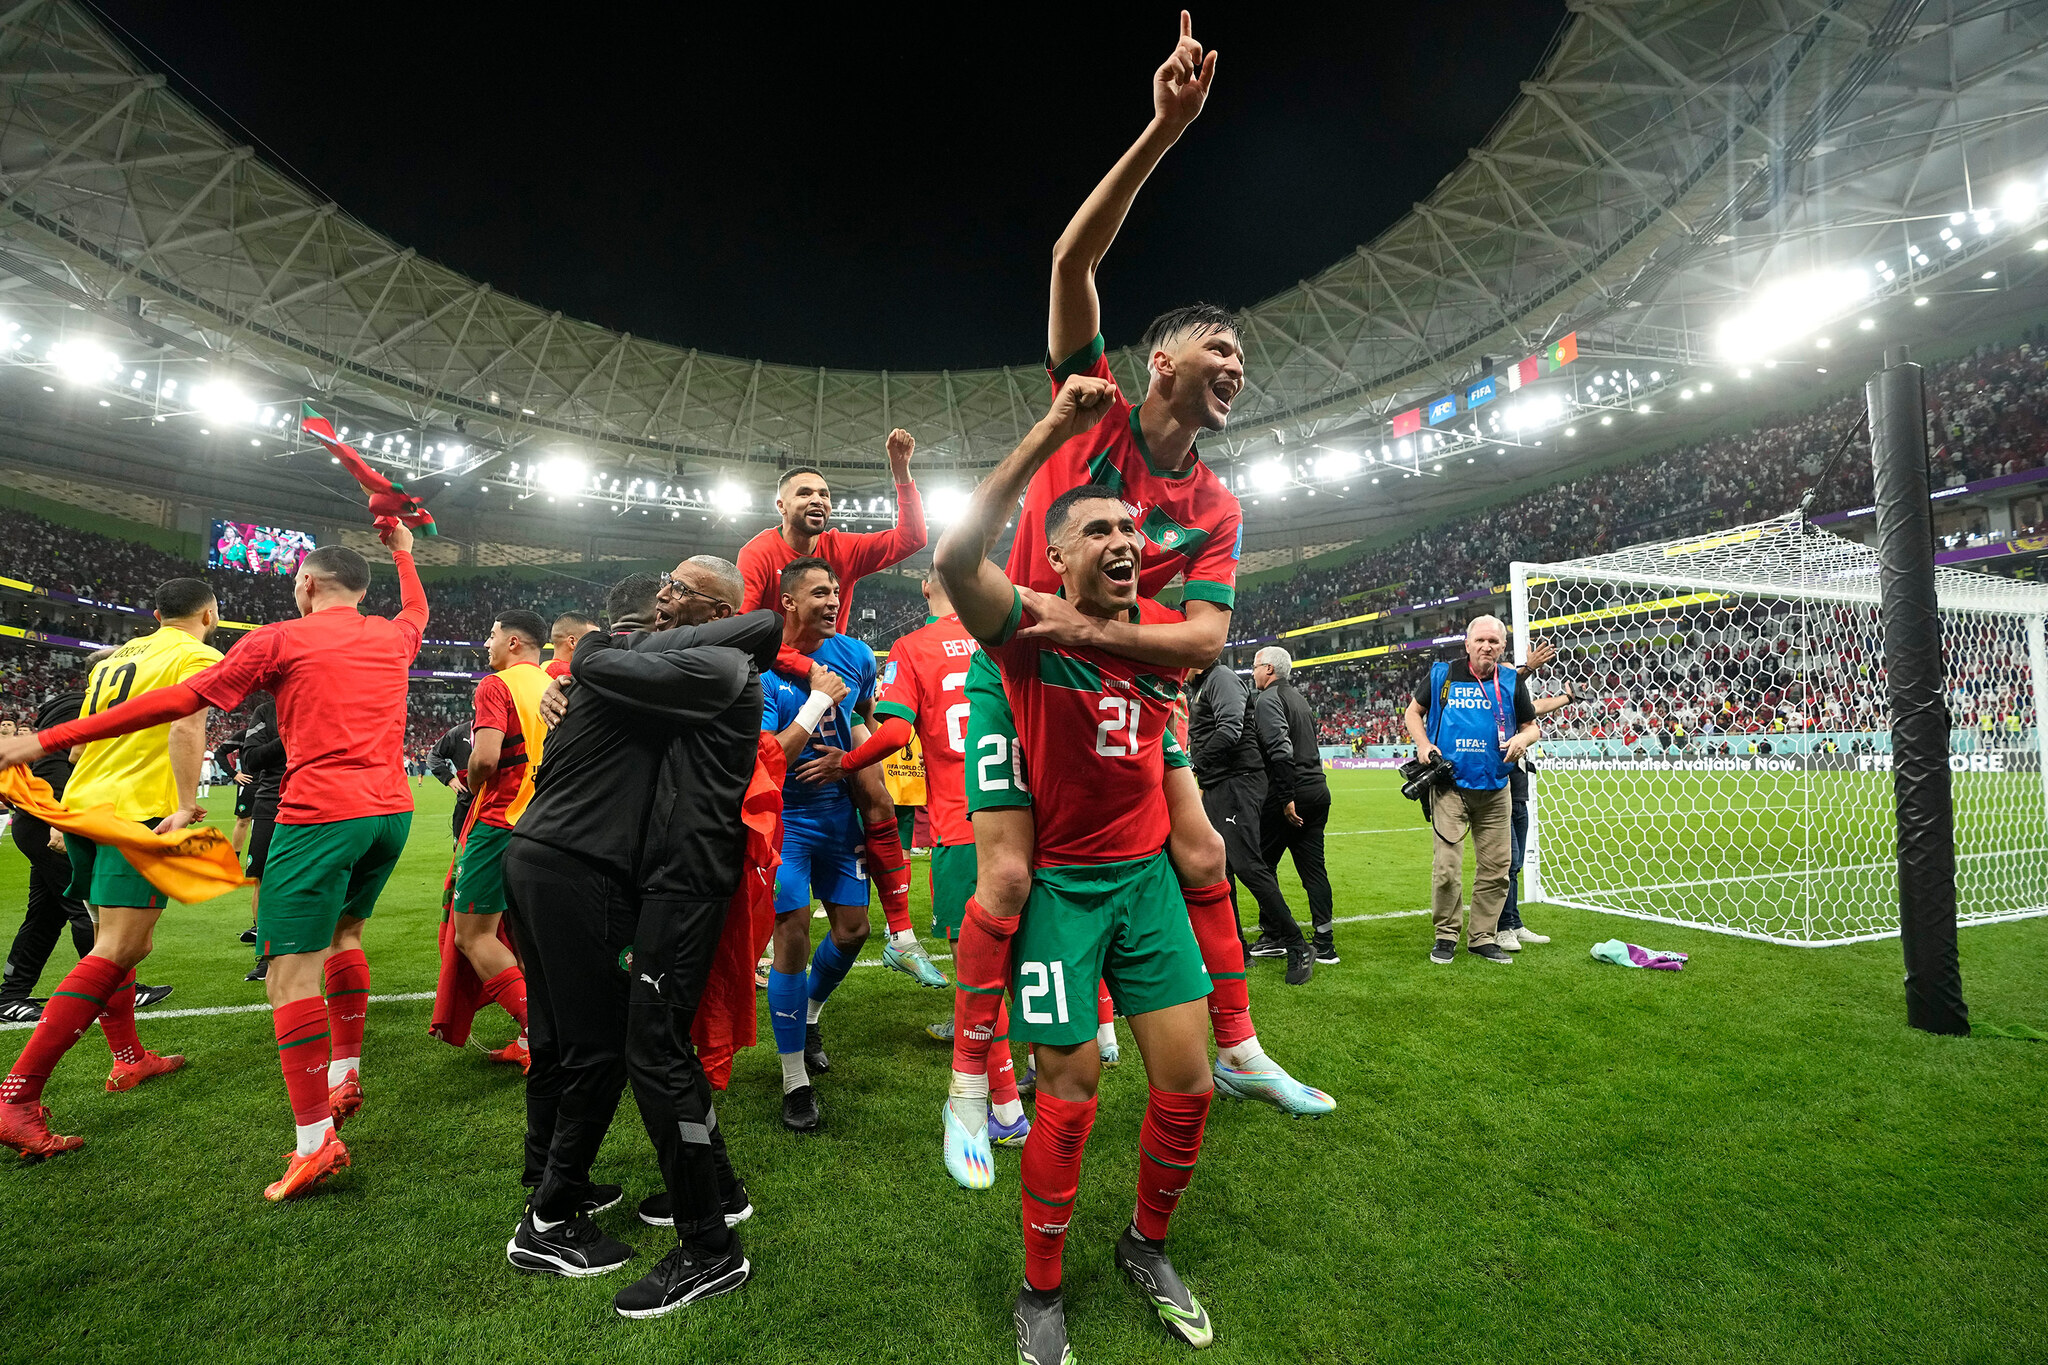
column 1989, row 408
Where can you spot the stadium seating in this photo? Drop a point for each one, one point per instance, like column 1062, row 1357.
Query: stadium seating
column 1989, row 408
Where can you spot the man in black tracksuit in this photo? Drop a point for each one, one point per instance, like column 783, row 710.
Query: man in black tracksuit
column 1225, row 751
column 633, row 841
column 1297, row 793
column 50, row 904
column 450, row 760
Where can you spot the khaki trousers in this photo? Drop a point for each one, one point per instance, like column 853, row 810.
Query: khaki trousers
column 1489, row 815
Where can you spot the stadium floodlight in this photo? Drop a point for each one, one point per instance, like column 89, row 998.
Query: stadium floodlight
column 559, row 474
column 1792, row 308
column 83, row 362
column 221, row 402
column 731, row 497
column 1957, row 217
column 1868, row 324
column 945, row 505
column 1706, row 386
column 1269, row 475
column 1686, row 394
column 1920, row 302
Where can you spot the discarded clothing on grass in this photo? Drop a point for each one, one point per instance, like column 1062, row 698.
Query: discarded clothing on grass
column 1629, row 955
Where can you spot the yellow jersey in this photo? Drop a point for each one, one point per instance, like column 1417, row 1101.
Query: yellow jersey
column 132, row 773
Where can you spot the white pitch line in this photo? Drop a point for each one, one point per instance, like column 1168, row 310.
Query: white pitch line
column 1416, row 828
column 429, row 995
column 236, row 1009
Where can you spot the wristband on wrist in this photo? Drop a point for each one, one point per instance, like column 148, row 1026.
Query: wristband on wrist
column 813, row 711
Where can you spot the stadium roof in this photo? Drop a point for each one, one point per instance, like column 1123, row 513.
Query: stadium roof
column 1668, row 157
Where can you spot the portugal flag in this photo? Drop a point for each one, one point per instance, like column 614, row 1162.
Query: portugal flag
column 1563, row 351
column 389, row 502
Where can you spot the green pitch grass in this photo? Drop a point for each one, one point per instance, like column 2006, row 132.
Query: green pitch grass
column 1560, row 1160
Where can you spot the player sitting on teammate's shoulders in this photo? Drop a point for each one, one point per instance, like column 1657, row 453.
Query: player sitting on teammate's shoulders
column 1104, row 905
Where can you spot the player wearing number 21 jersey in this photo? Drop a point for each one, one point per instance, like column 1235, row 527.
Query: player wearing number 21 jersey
column 1104, row 904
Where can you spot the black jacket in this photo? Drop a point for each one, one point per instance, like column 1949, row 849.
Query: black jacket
column 55, row 769
column 261, row 750
column 1220, row 732
column 645, row 774
column 1287, row 736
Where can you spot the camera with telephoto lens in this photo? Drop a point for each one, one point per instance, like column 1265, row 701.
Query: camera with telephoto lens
column 1421, row 779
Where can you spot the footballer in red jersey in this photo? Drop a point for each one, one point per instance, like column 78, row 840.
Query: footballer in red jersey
column 1103, row 903
column 924, row 696
column 1189, row 524
column 804, row 501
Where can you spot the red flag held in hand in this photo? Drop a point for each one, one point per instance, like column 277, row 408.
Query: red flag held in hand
column 389, row 502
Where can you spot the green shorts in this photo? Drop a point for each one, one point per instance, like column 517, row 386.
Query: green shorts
column 480, row 871
column 995, row 767
column 1124, row 923
column 953, row 874
column 104, row 876
column 317, row 874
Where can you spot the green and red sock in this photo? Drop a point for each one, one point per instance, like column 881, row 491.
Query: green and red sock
column 889, row 870
column 1051, row 1178
column 1214, row 919
column 78, row 1000
column 1169, row 1143
column 117, row 1023
column 508, row 990
column 348, row 1011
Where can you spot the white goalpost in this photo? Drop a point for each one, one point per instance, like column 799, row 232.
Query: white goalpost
column 1731, row 768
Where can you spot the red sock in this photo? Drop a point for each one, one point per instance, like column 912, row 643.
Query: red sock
column 981, row 972
column 302, row 1051
column 507, row 988
column 1104, row 1010
column 348, row 1001
column 1215, row 922
column 1168, row 1144
column 889, row 870
column 117, row 1023
column 1002, row 1068
column 77, row 1001
column 1051, row 1177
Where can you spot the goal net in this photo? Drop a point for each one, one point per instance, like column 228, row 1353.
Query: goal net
column 1731, row 767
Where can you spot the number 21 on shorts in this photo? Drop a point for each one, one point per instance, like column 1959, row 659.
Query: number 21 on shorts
column 1039, row 982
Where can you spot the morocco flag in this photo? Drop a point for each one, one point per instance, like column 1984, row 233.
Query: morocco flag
column 1563, row 351
column 389, row 502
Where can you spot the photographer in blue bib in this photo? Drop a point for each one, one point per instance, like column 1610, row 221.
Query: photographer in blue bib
column 1476, row 717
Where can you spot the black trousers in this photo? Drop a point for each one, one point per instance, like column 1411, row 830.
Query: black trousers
column 1234, row 805
column 575, row 927
column 49, row 906
column 672, row 955
column 1305, row 842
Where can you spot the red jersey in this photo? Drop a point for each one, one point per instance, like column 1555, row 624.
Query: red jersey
column 557, row 667
column 495, row 710
column 925, row 682
column 340, row 680
column 1093, row 728
column 852, row 555
column 1191, row 522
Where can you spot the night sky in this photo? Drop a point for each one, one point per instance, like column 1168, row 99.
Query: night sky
column 864, row 189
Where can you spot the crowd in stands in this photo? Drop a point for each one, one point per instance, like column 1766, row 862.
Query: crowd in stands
column 1989, row 412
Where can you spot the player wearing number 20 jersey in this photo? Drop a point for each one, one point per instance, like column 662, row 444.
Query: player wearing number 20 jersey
column 925, row 683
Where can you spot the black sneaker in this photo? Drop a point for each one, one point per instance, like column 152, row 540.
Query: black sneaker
column 1144, row 1261
column 1445, row 952
column 600, row 1198
column 249, row 934
column 20, row 1012
column 1301, row 964
column 1492, row 952
column 1265, row 946
column 815, row 1060
column 576, row 1248
column 1326, row 952
column 660, row 1211
column 259, row 971
column 1041, row 1318
column 800, row 1111
column 146, row 996
column 682, row 1277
